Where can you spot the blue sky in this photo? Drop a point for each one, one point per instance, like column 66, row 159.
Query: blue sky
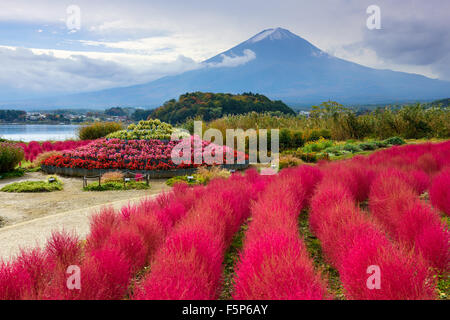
column 122, row 43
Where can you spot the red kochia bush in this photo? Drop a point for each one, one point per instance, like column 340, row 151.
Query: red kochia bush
column 440, row 191
column 189, row 265
column 277, row 267
column 402, row 275
column 274, row 262
column 412, row 223
column 352, row 242
column 105, row 275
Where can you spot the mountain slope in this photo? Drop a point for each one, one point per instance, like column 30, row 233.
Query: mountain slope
column 279, row 64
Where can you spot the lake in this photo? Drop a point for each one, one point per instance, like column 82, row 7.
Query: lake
column 38, row 132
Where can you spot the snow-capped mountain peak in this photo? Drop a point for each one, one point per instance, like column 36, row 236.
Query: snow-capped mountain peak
column 272, row 34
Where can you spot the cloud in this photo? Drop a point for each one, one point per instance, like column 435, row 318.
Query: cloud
column 413, row 42
column 233, row 61
column 38, row 72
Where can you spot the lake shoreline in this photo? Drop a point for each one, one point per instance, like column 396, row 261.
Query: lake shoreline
column 38, row 132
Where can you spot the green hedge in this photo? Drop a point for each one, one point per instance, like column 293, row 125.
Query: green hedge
column 33, row 186
column 98, row 130
column 145, row 130
column 111, row 186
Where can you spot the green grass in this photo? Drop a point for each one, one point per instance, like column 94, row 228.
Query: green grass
column 231, row 258
column 112, row 186
column 315, row 251
column 2, row 222
column 443, row 287
column 33, row 186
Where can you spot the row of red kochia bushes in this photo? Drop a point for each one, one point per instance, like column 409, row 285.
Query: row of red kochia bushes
column 274, row 263
column 402, row 235
column 118, row 246
column 411, row 222
column 189, row 265
column 353, row 242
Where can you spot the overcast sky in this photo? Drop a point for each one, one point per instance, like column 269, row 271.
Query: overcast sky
column 127, row 42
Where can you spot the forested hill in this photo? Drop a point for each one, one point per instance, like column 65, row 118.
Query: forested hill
column 209, row 106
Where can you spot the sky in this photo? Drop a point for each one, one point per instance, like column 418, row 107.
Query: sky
column 54, row 47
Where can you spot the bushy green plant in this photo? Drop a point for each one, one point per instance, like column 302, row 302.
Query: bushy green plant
column 34, row 186
column 290, row 139
column 145, row 130
column 98, row 130
column 112, row 186
column 10, row 156
column 335, row 151
column 350, row 147
column 380, row 144
column 366, row 146
column 317, row 146
column 395, row 141
column 197, row 179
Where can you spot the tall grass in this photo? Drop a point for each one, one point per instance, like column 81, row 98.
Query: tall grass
column 10, row 156
column 411, row 122
column 98, row 130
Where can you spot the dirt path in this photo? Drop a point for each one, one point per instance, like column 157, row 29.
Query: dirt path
column 35, row 232
column 28, row 219
column 19, row 207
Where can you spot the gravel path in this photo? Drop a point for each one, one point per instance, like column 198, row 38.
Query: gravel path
column 20, row 207
column 35, row 232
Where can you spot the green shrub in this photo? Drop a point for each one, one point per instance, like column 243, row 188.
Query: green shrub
column 285, row 139
column 395, row 141
column 10, row 156
column 365, row 146
column 380, row 144
column 34, row 186
column 145, row 130
column 317, row 146
column 197, row 179
column 112, row 186
column 353, row 148
column 335, row 150
column 98, row 130
column 289, row 139
column 298, row 140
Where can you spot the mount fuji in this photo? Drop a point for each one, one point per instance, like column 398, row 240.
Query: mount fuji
column 278, row 64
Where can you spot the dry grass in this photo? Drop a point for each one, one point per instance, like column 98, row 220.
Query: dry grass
column 43, row 156
column 115, row 176
column 212, row 173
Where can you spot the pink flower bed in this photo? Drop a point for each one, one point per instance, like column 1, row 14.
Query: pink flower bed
column 133, row 155
column 34, row 148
